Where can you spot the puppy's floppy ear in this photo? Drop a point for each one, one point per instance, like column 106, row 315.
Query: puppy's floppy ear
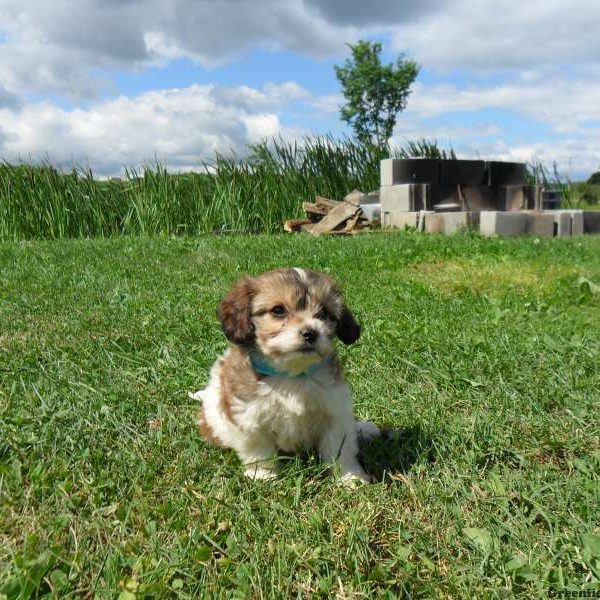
column 234, row 312
column 348, row 330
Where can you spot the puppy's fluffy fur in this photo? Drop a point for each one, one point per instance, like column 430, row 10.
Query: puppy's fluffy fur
column 279, row 386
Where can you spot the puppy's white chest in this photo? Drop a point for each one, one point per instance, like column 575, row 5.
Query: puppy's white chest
column 292, row 412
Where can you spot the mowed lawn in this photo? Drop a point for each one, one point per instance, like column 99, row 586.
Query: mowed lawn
column 481, row 356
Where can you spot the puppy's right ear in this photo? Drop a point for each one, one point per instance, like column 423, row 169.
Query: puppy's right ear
column 234, row 312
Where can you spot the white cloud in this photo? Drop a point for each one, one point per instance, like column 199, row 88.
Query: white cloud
column 180, row 127
column 328, row 104
column 68, row 48
column 58, row 46
column 565, row 104
column 506, row 34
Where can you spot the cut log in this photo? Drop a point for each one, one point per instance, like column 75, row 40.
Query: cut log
column 335, row 218
column 295, row 224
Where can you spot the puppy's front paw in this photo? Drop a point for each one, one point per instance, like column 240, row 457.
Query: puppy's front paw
column 258, row 472
column 355, row 478
column 199, row 395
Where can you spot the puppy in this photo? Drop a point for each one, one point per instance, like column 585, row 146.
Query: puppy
column 279, row 386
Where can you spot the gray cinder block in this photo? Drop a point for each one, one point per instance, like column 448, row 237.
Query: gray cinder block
column 591, row 221
column 567, row 221
column 512, row 197
column 405, row 197
column 401, row 220
column 518, row 197
column 479, row 197
column 450, row 222
column 577, row 222
column 396, row 198
column 493, row 222
column 386, row 172
column 563, row 223
column 409, row 170
column 539, row 223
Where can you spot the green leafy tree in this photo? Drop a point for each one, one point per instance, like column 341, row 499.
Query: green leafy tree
column 594, row 178
column 374, row 93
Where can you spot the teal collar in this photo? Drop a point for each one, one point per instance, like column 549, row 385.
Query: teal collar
column 263, row 367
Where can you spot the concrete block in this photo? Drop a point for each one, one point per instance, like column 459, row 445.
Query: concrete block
column 462, row 172
column 386, row 172
column 506, row 173
column 396, row 198
column 450, row 222
column 406, row 197
column 511, row 197
column 479, row 197
column 539, row 223
column 562, row 221
column 577, row 222
column 533, row 195
column 393, row 171
column 400, row 220
column 567, row 221
column 591, row 221
column 493, row 222
column 518, row 197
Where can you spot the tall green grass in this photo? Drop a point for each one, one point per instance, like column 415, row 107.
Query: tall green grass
column 254, row 194
column 575, row 194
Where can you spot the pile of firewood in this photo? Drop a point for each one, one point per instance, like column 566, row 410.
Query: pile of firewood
column 326, row 216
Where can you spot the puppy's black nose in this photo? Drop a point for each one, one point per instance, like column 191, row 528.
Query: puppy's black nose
column 310, row 335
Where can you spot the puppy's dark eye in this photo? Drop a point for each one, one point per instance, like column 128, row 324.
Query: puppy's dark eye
column 323, row 314
column 278, row 311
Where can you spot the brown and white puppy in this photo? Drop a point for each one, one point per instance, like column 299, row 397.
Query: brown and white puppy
column 279, row 385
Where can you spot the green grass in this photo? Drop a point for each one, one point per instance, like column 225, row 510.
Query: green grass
column 481, row 356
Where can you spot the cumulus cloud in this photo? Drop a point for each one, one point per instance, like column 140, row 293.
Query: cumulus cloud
column 564, row 104
column 180, row 127
column 378, row 13
column 504, row 35
column 60, row 46
column 8, row 99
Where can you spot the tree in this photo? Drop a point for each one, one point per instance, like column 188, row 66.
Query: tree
column 594, row 178
column 374, row 93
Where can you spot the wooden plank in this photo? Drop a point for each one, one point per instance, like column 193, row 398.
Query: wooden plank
column 295, row 224
column 336, row 217
column 307, row 227
column 309, row 207
column 352, row 222
column 326, row 202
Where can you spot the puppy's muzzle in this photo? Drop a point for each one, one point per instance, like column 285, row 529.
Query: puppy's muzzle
column 310, row 335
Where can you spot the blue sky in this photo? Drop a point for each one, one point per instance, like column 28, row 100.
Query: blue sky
column 108, row 83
